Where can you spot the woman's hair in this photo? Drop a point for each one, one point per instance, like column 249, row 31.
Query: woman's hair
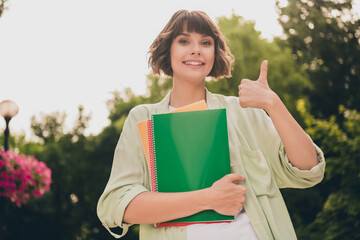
column 195, row 21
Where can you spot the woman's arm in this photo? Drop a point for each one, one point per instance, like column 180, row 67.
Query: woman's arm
column 297, row 143
column 224, row 197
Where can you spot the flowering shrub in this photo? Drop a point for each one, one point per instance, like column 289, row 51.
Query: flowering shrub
column 22, row 177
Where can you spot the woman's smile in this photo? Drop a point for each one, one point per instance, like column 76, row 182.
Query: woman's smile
column 194, row 63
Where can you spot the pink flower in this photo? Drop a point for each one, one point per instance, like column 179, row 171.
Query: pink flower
column 22, row 177
column 3, row 175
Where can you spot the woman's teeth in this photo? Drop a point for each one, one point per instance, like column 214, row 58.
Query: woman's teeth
column 194, row 63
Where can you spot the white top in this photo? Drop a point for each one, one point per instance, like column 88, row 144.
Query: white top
column 239, row 229
column 171, row 108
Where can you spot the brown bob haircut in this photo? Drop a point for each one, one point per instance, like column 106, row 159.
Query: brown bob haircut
column 195, row 21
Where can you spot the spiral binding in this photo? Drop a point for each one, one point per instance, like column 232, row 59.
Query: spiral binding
column 152, row 153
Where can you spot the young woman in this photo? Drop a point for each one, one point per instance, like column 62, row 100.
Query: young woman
column 267, row 152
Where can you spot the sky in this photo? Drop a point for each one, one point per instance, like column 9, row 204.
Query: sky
column 56, row 55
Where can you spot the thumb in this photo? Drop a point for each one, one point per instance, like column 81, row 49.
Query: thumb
column 234, row 177
column 263, row 72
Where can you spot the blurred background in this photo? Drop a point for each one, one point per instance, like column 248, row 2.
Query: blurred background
column 76, row 68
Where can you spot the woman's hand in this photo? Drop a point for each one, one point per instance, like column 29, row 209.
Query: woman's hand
column 224, row 197
column 256, row 94
column 227, row 197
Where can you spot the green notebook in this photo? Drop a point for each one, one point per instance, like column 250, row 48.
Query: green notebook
column 190, row 152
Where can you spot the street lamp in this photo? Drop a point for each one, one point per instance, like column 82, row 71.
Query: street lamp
column 8, row 109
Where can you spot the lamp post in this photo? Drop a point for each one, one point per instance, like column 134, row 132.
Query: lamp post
column 8, row 109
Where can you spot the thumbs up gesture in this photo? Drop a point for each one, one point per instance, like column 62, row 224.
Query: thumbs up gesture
column 256, row 94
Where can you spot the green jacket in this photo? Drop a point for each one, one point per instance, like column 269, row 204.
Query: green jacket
column 256, row 151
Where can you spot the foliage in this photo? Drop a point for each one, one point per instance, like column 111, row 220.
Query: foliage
column 158, row 87
column 22, row 177
column 335, row 203
column 122, row 103
column 324, row 36
column 81, row 166
column 341, row 143
column 2, row 6
column 50, row 128
column 249, row 49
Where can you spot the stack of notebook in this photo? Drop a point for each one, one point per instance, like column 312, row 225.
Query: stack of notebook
column 187, row 150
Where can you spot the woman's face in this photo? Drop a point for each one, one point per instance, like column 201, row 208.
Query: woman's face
column 192, row 56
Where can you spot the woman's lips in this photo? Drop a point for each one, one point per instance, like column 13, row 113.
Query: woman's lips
column 194, row 64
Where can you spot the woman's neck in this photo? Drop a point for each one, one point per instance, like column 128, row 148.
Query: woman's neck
column 185, row 93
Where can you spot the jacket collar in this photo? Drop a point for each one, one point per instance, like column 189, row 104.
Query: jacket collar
column 211, row 102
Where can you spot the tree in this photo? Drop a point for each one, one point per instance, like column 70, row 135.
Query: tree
column 49, row 128
column 249, row 49
column 324, row 36
column 80, row 167
column 2, row 6
column 334, row 207
column 122, row 103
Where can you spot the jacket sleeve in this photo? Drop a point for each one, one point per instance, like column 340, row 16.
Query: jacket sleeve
column 286, row 175
column 289, row 176
column 126, row 179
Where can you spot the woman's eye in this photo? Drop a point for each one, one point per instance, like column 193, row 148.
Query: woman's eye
column 183, row 41
column 206, row 43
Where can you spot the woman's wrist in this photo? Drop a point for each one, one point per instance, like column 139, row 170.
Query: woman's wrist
column 273, row 103
column 205, row 199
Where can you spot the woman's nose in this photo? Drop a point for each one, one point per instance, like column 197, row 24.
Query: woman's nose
column 195, row 50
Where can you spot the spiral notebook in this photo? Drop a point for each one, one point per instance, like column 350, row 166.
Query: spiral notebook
column 189, row 151
column 143, row 129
